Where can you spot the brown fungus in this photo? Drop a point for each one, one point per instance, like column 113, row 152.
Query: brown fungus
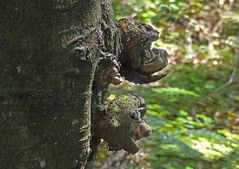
column 107, row 72
column 138, row 60
column 122, row 124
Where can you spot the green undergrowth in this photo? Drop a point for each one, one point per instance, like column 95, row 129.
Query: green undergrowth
column 194, row 111
column 193, row 120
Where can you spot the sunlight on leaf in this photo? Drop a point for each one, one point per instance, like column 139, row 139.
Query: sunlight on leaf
column 112, row 96
column 175, row 91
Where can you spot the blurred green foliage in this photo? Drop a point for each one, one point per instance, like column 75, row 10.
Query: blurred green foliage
column 194, row 111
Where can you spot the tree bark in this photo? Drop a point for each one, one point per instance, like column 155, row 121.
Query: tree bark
column 57, row 58
column 48, row 54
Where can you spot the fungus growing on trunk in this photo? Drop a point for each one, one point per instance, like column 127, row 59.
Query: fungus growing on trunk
column 120, row 122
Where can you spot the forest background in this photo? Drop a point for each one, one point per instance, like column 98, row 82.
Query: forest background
column 194, row 111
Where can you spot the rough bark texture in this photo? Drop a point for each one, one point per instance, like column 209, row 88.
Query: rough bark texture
column 48, row 54
column 57, row 58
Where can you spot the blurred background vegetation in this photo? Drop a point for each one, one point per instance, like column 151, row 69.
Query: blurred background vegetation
column 194, row 111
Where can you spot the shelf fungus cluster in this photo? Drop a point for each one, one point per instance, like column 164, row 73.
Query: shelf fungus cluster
column 120, row 122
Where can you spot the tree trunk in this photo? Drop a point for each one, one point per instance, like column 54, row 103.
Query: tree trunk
column 57, row 58
column 48, row 54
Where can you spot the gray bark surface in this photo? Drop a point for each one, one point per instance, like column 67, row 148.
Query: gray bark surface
column 57, row 59
column 48, row 55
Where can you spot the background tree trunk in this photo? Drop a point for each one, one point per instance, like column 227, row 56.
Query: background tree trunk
column 48, row 55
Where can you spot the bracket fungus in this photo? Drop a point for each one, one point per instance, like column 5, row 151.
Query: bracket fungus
column 138, row 60
column 120, row 122
column 107, row 71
